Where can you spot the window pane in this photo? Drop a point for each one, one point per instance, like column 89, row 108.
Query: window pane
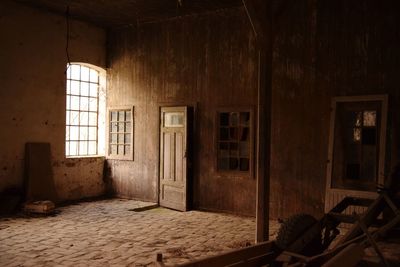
column 120, row 149
column 84, row 73
column 233, row 133
column 94, row 76
column 114, row 127
column 114, row 138
column 73, row 148
column 233, row 164
column 75, row 102
column 94, row 90
column 128, row 116
column 223, row 163
column 114, row 116
column 75, row 88
column 68, row 87
column 68, row 102
column 83, row 133
column 368, row 136
column 92, row 133
column 244, row 134
column 223, row 145
column 74, row 117
column 75, row 72
column 67, row 133
column 370, row 118
column 93, row 104
column 244, row 164
column 74, row 133
column 128, row 127
column 357, row 135
column 127, row 150
column 92, row 148
column 84, row 103
column 92, row 118
column 84, row 118
column 358, row 118
column 113, row 149
column 233, row 146
column 121, row 115
column 67, row 114
column 234, row 119
column 127, row 138
column 68, row 71
column 84, row 89
column 121, row 127
column 245, row 118
column 244, row 149
column 224, row 119
column 224, row 153
column 234, row 153
column 83, row 148
column 224, row 134
column 67, row 148
column 174, row 119
column 120, row 138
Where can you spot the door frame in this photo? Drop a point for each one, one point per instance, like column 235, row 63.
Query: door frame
column 339, row 193
column 192, row 110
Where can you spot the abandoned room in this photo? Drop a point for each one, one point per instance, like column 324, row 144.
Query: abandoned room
column 199, row 133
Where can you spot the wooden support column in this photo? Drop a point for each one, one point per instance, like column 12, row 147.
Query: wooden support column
column 260, row 17
column 263, row 148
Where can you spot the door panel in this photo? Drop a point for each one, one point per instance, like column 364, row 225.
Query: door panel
column 179, row 169
column 173, row 161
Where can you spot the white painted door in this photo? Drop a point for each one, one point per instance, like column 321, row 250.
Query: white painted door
column 173, row 158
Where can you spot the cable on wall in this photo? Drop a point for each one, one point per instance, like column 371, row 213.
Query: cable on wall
column 67, row 37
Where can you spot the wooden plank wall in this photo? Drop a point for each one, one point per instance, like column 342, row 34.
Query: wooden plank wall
column 322, row 49
column 207, row 61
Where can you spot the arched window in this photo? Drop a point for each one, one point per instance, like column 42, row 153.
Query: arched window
column 84, row 110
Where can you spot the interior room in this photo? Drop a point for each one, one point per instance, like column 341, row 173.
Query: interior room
column 145, row 132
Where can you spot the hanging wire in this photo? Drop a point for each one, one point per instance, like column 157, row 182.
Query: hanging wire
column 178, row 6
column 67, row 37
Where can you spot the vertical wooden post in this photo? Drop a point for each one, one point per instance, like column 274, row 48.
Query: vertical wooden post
column 263, row 145
column 260, row 16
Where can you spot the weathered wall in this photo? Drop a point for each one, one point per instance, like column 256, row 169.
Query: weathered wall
column 323, row 49
column 32, row 95
column 208, row 61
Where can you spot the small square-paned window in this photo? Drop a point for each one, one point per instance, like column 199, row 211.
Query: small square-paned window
column 120, row 133
column 234, row 149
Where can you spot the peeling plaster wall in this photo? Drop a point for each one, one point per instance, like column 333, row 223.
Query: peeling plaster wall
column 32, row 95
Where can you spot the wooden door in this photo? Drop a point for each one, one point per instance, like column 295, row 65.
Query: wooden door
column 173, row 158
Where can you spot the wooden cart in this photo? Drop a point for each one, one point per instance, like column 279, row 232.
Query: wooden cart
column 304, row 241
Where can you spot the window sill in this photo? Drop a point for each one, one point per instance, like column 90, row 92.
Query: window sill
column 85, row 157
column 130, row 158
column 234, row 174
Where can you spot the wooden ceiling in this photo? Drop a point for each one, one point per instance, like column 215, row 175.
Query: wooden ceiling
column 119, row 13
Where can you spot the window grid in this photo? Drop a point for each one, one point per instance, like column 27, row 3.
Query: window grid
column 82, row 111
column 234, row 141
column 120, row 133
